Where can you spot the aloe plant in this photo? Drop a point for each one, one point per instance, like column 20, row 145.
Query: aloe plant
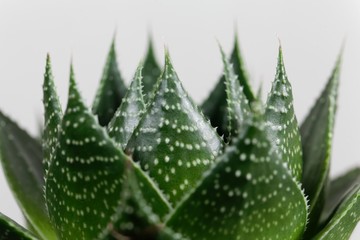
column 146, row 163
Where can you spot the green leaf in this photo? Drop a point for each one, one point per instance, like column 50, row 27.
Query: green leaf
column 338, row 189
column 21, row 157
column 316, row 134
column 281, row 123
column 345, row 219
column 151, row 71
column 10, row 230
column 85, row 179
column 111, row 90
column 238, row 109
column 248, row 194
column 52, row 114
column 129, row 113
column 215, row 106
column 173, row 142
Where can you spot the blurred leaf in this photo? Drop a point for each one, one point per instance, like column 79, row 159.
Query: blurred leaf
column 129, row 113
column 173, row 142
column 151, row 71
column 215, row 106
column 316, row 135
column 21, row 157
column 345, row 219
column 281, row 123
column 10, row 230
column 111, row 90
column 248, row 194
column 85, row 179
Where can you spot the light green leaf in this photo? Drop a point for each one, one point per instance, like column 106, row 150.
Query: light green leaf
column 21, row 158
column 248, row 194
column 215, row 106
column 10, row 230
column 173, row 142
column 111, row 90
column 281, row 123
column 52, row 114
column 238, row 109
column 316, row 135
column 129, row 113
column 85, row 179
column 345, row 219
column 151, row 71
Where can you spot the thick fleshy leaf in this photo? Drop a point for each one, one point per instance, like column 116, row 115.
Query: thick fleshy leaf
column 248, row 194
column 129, row 113
column 10, row 230
column 151, row 71
column 344, row 220
column 316, row 135
column 52, row 116
column 338, row 189
column 134, row 218
column 281, row 123
column 215, row 106
column 173, row 142
column 238, row 109
column 85, row 179
column 111, row 90
column 21, row 157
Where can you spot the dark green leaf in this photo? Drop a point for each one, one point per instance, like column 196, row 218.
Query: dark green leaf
column 151, row 71
column 52, row 114
column 21, row 157
column 215, row 106
column 248, row 194
column 111, row 90
column 173, row 142
column 10, row 230
column 129, row 113
column 281, row 123
column 238, row 109
column 344, row 220
column 86, row 176
column 338, row 189
column 316, row 134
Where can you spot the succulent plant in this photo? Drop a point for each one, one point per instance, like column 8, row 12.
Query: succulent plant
column 146, row 163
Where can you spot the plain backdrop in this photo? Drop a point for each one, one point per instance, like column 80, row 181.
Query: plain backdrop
column 311, row 33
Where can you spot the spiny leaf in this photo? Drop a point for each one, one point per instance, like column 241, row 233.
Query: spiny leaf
column 111, row 90
column 10, row 230
column 248, row 194
column 85, row 178
column 238, row 109
column 52, row 114
column 151, row 71
column 129, row 113
column 173, row 142
column 215, row 105
column 21, row 158
column 134, row 218
column 337, row 191
column 345, row 219
column 282, row 126
column 316, row 134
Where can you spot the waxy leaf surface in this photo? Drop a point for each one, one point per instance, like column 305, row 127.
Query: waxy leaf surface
column 111, row 90
column 128, row 115
column 21, row 158
column 173, row 142
column 10, row 230
column 248, row 194
column 281, row 123
column 85, row 179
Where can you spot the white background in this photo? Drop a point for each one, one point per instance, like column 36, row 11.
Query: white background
column 311, row 33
